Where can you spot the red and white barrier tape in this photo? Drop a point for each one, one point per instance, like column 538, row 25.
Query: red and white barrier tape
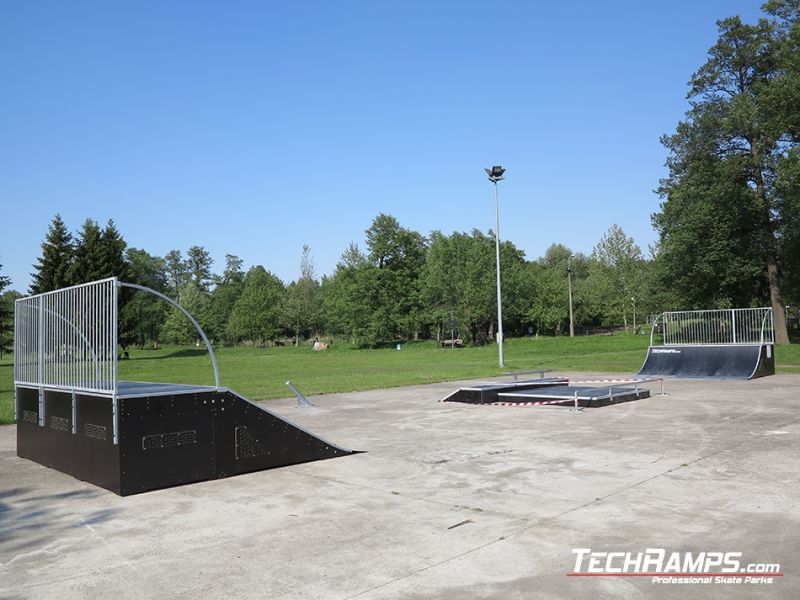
column 633, row 380
column 572, row 400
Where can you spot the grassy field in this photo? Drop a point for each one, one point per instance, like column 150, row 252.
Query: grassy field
column 261, row 373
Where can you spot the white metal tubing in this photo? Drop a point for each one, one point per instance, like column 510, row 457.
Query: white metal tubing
column 188, row 316
column 66, row 339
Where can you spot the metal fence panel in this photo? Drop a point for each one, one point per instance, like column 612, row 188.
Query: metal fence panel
column 67, row 339
column 729, row 326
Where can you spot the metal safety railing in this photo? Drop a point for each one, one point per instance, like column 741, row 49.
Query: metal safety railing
column 67, row 339
column 710, row 327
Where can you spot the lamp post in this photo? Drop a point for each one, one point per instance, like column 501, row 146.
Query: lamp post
column 569, row 287
column 633, row 300
column 496, row 174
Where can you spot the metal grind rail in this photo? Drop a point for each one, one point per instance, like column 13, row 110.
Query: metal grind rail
column 634, row 380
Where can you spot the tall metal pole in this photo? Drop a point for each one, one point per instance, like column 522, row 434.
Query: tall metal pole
column 499, row 294
column 569, row 286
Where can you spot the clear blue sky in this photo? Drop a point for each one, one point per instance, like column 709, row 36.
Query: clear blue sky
column 252, row 128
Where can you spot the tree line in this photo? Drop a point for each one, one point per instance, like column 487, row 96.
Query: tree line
column 403, row 285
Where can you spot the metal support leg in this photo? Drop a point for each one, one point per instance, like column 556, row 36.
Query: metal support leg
column 302, row 401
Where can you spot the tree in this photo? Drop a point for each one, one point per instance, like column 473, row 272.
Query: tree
column 619, row 270
column 724, row 161
column 256, row 315
column 88, row 260
column 344, row 295
column 548, row 299
column 301, row 307
column 53, row 269
column 398, row 254
column 233, row 272
column 142, row 316
column 177, row 328
column 176, row 270
column 223, row 298
column 6, row 314
column 198, row 265
column 459, row 276
column 112, row 252
column 99, row 253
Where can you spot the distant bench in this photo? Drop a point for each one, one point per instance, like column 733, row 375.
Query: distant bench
column 516, row 374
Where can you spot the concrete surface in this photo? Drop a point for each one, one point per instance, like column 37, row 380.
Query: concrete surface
column 450, row 501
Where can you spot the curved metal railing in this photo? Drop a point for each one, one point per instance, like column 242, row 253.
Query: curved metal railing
column 188, row 316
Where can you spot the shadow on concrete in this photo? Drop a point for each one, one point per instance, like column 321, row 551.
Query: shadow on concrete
column 30, row 522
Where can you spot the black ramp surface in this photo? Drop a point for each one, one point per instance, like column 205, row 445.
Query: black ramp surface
column 486, row 393
column 588, row 397
column 728, row 361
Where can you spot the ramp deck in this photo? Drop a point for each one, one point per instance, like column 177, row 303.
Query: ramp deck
column 486, row 393
column 586, row 397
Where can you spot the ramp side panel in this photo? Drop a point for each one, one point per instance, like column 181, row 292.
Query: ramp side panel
column 88, row 454
column 168, row 440
column 766, row 363
column 706, row 362
column 251, row 438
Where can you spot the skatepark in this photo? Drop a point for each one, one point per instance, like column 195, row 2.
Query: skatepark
column 450, row 501
column 473, row 489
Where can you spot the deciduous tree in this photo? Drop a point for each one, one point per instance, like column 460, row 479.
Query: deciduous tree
column 256, row 315
column 722, row 212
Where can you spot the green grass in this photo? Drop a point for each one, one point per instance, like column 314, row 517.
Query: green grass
column 261, row 373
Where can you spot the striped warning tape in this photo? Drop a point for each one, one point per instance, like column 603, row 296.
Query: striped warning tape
column 631, row 380
column 572, row 400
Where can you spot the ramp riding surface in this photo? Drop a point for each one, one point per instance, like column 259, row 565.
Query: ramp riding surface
column 486, row 393
column 720, row 361
column 586, row 397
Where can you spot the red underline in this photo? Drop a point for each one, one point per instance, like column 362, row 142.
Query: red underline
column 674, row 574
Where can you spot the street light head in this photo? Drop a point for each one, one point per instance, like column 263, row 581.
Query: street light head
column 495, row 173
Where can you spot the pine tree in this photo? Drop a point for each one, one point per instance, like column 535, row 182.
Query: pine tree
column 112, row 252
column 53, row 269
column 198, row 264
column 176, row 270
column 88, row 262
